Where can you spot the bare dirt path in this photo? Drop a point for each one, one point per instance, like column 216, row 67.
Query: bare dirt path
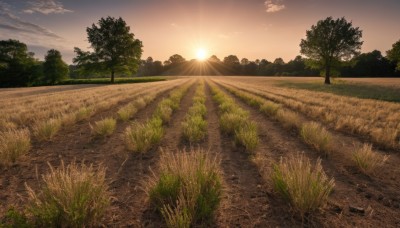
column 348, row 190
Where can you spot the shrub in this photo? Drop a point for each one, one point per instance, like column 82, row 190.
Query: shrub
column 247, row 136
column 13, row 143
column 104, row 127
column 304, row 185
column 317, row 136
column 367, row 160
column 71, row 196
column 188, row 189
column 47, row 129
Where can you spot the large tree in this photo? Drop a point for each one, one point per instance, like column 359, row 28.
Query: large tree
column 329, row 42
column 394, row 54
column 115, row 48
column 54, row 68
column 18, row 67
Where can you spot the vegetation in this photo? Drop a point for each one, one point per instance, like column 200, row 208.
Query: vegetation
column 106, row 81
column 343, row 88
column 141, row 137
column 317, row 136
column 194, row 127
column 367, row 160
column 330, row 41
column 115, row 48
column 46, row 130
column 394, row 54
column 235, row 121
column 304, row 185
column 54, row 68
column 104, row 127
column 13, row 144
column 75, row 195
column 188, row 189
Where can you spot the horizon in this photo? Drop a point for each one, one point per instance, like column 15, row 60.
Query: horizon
column 255, row 29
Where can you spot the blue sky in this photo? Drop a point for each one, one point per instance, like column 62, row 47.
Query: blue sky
column 247, row 28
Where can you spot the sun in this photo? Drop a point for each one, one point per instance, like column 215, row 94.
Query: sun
column 201, row 54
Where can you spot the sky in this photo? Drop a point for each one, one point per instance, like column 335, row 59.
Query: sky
column 253, row 29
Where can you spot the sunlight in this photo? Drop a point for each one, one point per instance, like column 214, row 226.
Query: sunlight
column 201, row 54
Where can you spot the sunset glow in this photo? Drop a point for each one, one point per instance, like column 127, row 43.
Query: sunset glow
column 201, row 54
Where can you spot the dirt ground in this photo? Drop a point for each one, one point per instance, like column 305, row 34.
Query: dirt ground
column 249, row 199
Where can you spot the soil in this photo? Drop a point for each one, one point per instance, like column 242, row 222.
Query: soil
column 249, row 199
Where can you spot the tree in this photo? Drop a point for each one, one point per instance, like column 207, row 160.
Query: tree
column 329, row 42
column 176, row 59
column 54, row 68
column 115, row 48
column 18, row 67
column 394, row 54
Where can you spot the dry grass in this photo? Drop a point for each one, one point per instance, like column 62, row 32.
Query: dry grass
column 367, row 160
column 247, row 135
column 269, row 108
column 46, row 130
column 188, row 189
column 288, row 119
column 304, row 185
column 126, row 112
column 141, row 137
column 317, row 136
column 75, row 195
column 13, row 144
column 376, row 119
column 104, row 127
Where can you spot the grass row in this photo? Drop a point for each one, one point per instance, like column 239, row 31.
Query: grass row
column 304, row 185
column 194, row 126
column 344, row 114
column 17, row 142
column 235, row 121
column 107, row 80
column 140, row 137
column 312, row 133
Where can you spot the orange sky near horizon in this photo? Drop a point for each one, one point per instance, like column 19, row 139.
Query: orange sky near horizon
column 255, row 29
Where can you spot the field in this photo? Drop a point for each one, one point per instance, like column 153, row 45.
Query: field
column 201, row 151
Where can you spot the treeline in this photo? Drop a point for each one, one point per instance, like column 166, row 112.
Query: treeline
column 18, row 67
column 371, row 64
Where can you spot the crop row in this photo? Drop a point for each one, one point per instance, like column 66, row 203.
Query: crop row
column 194, row 127
column 311, row 133
column 16, row 142
column 378, row 120
column 235, row 121
column 140, row 137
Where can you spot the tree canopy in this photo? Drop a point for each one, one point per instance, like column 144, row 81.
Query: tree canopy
column 114, row 48
column 54, row 68
column 394, row 54
column 329, row 42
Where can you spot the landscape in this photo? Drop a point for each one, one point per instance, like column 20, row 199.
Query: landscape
column 109, row 137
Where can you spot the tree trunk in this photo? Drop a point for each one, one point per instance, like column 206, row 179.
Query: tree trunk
column 328, row 75
column 112, row 76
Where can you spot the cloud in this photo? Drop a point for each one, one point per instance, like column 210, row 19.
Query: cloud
column 274, row 6
column 46, row 7
column 13, row 27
